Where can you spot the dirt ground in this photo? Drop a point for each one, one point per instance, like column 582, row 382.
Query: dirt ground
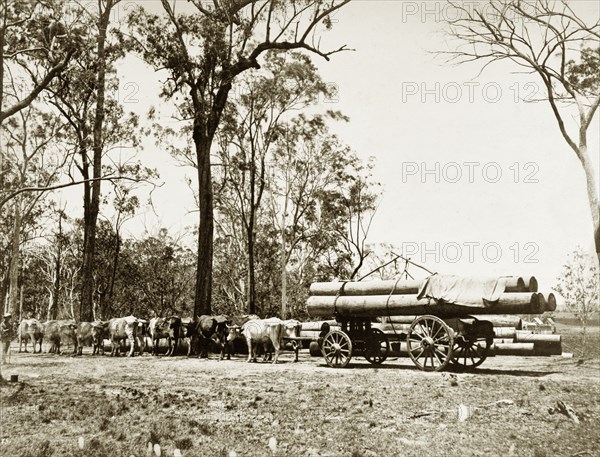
column 102, row 406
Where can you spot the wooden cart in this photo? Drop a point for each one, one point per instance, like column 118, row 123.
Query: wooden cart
column 432, row 342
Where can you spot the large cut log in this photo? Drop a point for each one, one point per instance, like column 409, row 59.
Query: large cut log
column 505, row 332
column 550, row 302
column 545, row 348
column 503, row 321
column 398, row 319
column 503, row 340
column 402, row 287
column 316, row 326
column 519, row 284
column 392, row 328
column 522, row 336
column 397, row 305
column 513, row 349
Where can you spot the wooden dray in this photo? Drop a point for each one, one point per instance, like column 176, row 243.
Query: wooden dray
column 432, row 342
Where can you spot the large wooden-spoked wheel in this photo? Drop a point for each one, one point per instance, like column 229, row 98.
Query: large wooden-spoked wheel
column 337, row 349
column 470, row 353
column 377, row 347
column 430, row 343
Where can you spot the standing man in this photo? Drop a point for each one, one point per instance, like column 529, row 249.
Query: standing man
column 7, row 334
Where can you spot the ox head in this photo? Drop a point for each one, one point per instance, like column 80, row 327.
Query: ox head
column 188, row 327
column 142, row 325
column 100, row 329
column 174, row 322
column 233, row 332
column 292, row 328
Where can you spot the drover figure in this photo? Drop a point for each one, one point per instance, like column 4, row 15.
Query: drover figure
column 7, row 334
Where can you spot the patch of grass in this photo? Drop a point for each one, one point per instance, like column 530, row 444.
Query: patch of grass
column 184, row 443
column 104, row 423
column 161, row 432
column 42, row 449
column 205, row 428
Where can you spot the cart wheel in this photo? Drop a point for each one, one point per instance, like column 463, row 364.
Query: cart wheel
column 469, row 354
column 430, row 343
column 337, row 349
column 377, row 347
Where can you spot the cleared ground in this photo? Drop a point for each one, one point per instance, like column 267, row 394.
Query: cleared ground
column 116, row 406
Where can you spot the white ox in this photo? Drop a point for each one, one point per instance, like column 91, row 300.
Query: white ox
column 30, row 330
column 264, row 331
column 130, row 328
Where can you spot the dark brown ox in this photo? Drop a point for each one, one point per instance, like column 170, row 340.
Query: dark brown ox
column 126, row 328
column 58, row 332
column 205, row 330
column 92, row 334
column 31, row 329
column 163, row 327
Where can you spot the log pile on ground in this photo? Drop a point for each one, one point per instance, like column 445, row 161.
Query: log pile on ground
column 507, row 341
column 401, row 298
column 525, row 342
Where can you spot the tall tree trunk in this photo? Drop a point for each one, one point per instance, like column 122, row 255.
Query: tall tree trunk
column 87, row 292
column 203, row 297
column 284, row 258
column 113, row 275
column 14, row 258
column 592, row 193
column 53, row 311
column 87, row 202
column 251, row 289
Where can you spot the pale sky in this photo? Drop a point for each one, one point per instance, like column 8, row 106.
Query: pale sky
column 476, row 181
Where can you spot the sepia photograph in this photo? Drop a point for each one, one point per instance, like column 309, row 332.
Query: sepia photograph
column 299, row 228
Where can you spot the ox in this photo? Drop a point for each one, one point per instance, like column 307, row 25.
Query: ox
column 162, row 327
column 234, row 334
column 92, row 334
column 58, row 331
column 205, row 330
column 30, row 329
column 126, row 328
column 269, row 331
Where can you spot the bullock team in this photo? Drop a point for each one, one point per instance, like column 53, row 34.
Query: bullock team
column 219, row 333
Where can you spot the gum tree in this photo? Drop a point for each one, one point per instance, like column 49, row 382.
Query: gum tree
column 550, row 39
column 203, row 49
column 249, row 132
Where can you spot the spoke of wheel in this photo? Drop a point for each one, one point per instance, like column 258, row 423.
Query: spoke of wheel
column 422, row 361
column 416, row 348
column 432, row 360
column 418, row 356
column 442, row 353
column 438, row 331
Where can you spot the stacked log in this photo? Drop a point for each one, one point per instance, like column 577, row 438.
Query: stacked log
column 393, row 287
column 410, row 305
column 398, row 298
column 313, row 329
column 501, row 321
column 518, row 284
column 525, row 342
